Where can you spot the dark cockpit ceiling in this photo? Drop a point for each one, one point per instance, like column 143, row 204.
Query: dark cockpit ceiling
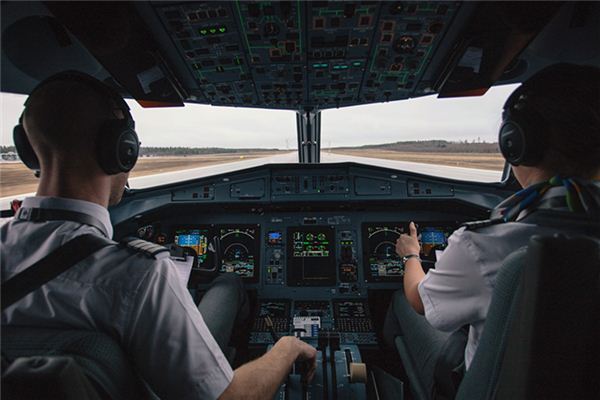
column 292, row 54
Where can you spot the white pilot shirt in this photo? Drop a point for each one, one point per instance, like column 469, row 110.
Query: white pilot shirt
column 459, row 289
column 138, row 300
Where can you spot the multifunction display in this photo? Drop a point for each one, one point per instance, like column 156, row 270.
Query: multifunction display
column 196, row 239
column 379, row 243
column 434, row 240
column 274, row 238
column 311, row 260
column 240, row 246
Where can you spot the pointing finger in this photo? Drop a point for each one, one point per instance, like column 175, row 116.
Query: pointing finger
column 413, row 229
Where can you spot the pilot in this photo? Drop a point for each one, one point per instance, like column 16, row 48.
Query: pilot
column 550, row 135
column 82, row 134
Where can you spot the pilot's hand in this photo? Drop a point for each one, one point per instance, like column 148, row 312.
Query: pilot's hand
column 408, row 244
column 308, row 355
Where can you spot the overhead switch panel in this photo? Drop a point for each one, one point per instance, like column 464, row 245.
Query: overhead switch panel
column 306, row 54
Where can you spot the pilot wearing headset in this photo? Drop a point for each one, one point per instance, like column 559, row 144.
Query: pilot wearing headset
column 79, row 134
column 550, row 135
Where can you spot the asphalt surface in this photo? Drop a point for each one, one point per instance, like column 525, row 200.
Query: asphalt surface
column 469, row 174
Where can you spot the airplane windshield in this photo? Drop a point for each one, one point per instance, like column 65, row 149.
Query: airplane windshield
column 452, row 138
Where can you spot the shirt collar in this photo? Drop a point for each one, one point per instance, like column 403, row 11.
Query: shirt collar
column 81, row 206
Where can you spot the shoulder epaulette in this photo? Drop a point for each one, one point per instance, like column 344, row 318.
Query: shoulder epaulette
column 473, row 225
column 148, row 248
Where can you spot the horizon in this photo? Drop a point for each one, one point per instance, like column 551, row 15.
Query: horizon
column 464, row 141
column 420, row 118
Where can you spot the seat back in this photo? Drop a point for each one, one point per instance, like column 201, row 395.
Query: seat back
column 98, row 355
column 479, row 380
column 552, row 349
column 55, row 377
column 540, row 337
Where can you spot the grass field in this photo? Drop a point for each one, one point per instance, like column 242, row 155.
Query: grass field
column 16, row 179
column 491, row 161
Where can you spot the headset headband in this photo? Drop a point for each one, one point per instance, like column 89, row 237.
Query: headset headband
column 98, row 86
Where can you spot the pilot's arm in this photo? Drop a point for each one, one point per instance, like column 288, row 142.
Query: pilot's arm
column 452, row 294
column 178, row 357
column 261, row 378
column 413, row 271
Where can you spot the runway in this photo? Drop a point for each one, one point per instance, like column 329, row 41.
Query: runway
column 468, row 174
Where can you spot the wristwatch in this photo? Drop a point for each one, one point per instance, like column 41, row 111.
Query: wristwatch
column 409, row 256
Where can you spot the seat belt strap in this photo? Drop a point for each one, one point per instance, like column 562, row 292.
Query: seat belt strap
column 49, row 267
column 46, row 214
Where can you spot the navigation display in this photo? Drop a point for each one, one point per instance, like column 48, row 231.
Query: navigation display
column 240, row 246
column 379, row 244
column 311, row 261
column 195, row 238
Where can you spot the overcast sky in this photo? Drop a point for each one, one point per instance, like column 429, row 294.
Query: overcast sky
column 205, row 126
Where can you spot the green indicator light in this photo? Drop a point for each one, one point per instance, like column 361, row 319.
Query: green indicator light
column 356, row 64
column 213, row 30
column 222, row 29
column 203, row 31
column 316, row 65
column 343, row 67
column 324, row 65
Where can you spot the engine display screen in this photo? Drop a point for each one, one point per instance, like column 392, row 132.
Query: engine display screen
column 195, row 238
column 311, row 260
column 379, row 241
column 311, row 244
column 240, row 247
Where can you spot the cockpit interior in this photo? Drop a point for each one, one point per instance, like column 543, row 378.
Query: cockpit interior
column 314, row 243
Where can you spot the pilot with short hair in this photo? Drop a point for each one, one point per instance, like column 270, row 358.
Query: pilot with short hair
column 555, row 114
column 82, row 134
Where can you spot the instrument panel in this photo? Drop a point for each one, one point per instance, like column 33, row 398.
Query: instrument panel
column 344, row 254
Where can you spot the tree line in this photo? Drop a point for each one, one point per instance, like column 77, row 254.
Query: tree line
column 429, row 146
column 194, row 151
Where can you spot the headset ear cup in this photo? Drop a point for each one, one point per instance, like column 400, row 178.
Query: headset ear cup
column 24, row 149
column 118, row 147
column 511, row 142
column 129, row 149
column 520, row 141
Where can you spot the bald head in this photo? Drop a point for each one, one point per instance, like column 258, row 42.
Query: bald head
column 63, row 120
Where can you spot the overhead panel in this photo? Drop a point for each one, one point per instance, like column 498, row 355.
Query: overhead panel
column 207, row 36
column 272, row 33
column 294, row 55
column 339, row 43
column 407, row 35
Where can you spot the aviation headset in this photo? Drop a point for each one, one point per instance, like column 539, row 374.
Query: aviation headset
column 519, row 138
column 117, row 147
